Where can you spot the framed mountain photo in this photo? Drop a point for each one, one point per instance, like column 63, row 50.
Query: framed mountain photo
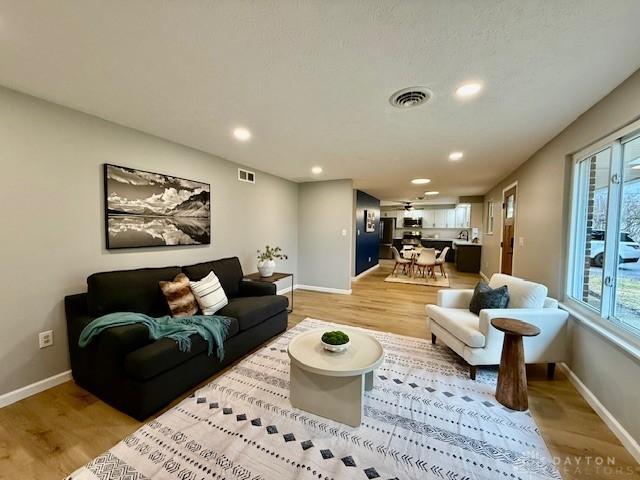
column 145, row 209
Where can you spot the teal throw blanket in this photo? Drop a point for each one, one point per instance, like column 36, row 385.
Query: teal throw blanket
column 213, row 328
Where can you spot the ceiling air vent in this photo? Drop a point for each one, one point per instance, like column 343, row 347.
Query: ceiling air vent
column 410, row 97
column 246, row 176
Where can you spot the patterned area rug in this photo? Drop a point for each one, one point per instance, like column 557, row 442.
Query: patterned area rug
column 439, row 281
column 424, row 419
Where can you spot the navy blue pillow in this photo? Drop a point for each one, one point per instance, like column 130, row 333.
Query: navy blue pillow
column 486, row 297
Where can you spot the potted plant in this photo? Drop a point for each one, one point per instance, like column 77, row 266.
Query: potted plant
column 266, row 260
column 335, row 341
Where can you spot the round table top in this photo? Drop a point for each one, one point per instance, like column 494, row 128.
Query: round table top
column 363, row 355
column 515, row 327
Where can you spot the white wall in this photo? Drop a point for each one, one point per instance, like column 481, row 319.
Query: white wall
column 542, row 218
column 52, row 220
column 325, row 210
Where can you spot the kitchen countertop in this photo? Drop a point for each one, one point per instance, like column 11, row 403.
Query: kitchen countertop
column 456, row 241
column 441, row 239
column 466, row 242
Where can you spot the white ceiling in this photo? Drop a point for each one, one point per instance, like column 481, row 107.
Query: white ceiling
column 311, row 79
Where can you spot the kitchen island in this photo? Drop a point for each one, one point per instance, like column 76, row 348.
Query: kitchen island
column 467, row 256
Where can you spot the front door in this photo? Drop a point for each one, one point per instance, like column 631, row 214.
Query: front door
column 508, row 229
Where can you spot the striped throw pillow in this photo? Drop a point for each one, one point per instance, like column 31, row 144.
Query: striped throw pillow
column 178, row 293
column 209, row 294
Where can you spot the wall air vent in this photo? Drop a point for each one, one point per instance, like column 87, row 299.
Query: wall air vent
column 246, row 176
column 410, row 97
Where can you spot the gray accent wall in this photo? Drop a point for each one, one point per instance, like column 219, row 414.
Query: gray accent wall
column 52, row 220
column 325, row 234
column 542, row 220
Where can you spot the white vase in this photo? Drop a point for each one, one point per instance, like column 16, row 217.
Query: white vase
column 266, row 267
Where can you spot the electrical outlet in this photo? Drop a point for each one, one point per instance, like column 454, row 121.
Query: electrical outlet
column 521, row 242
column 45, row 339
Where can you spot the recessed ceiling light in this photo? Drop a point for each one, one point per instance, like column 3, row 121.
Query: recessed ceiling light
column 468, row 90
column 242, row 134
column 420, row 181
column 432, row 192
column 316, row 170
column 456, row 155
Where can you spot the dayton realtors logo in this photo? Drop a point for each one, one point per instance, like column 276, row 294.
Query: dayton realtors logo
column 576, row 465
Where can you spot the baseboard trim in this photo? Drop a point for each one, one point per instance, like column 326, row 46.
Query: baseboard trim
column 607, row 417
column 37, row 387
column 313, row 288
column 365, row 273
column 286, row 290
column 484, row 277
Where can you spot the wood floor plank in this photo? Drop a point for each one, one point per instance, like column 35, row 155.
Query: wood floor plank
column 51, row 434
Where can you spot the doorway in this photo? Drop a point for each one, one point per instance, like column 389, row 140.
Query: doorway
column 508, row 229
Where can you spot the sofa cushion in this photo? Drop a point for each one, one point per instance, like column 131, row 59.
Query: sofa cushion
column 522, row 293
column 129, row 291
column 179, row 296
column 228, row 271
column 486, row 297
column 250, row 311
column 460, row 323
column 209, row 294
column 163, row 354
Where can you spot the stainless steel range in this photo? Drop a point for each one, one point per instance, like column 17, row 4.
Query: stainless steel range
column 412, row 238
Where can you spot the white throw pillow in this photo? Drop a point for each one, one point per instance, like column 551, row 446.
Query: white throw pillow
column 522, row 293
column 209, row 294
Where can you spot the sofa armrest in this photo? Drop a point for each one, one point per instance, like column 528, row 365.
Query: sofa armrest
column 105, row 354
column 256, row 289
column 452, row 298
column 76, row 311
column 552, row 323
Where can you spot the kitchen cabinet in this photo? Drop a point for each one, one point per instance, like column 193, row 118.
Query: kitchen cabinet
column 458, row 217
column 428, row 218
column 400, row 219
column 451, row 218
column 462, row 216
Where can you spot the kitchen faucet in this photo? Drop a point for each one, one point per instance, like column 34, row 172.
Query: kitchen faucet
column 464, row 234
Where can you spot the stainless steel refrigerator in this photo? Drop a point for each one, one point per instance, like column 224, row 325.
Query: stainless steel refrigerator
column 387, row 226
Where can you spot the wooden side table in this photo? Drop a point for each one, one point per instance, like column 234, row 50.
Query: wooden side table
column 512, row 376
column 255, row 277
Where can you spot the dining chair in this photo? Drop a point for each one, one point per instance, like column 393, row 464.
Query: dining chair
column 426, row 261
column 441, row 259
column 400, row 260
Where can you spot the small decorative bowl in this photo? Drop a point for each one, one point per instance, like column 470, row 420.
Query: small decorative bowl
column 336, row 348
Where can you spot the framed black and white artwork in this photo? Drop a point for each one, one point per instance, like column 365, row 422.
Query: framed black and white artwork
column 370, row 221
column 146, row 209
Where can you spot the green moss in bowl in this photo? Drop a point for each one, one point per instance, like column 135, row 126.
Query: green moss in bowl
column 335, row 338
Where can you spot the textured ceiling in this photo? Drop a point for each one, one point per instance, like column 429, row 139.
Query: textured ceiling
column 311, row 79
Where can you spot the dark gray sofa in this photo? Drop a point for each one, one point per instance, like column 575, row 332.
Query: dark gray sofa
column 139, row 376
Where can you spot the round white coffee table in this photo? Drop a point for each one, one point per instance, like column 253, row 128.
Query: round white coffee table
column 332, row 384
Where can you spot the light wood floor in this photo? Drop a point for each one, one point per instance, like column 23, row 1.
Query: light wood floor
column 50, row 434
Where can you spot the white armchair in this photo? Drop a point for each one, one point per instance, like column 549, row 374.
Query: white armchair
column 479, row 343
